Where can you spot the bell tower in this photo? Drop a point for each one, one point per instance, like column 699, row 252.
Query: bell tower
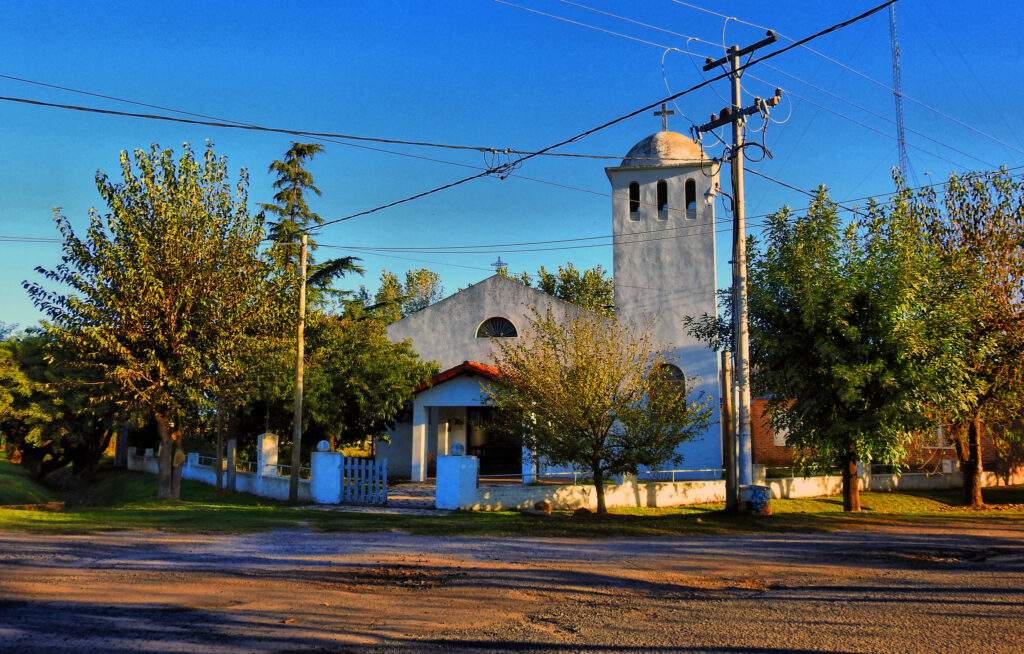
column 663, row 222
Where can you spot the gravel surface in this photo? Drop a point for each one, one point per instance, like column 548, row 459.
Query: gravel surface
column 882, row 590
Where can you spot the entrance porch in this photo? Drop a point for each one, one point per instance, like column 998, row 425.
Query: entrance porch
column 448, row 416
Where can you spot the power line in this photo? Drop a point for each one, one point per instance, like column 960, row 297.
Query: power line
column 245, row 126
column 573, row 22
column 394, row 253
column 865, row 110
column 230, row 124
column 635, row 22
column 834, row 112
column 862, row 75
column 875, row 129
column 392, row 256
column 667, row 49
column 797, row 188
column 512, row 165
column 502, row 170
column 476, row 249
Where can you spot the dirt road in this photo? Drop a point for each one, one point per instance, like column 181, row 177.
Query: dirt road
column 925, row 590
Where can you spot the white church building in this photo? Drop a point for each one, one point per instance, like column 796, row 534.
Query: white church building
column 663, row 223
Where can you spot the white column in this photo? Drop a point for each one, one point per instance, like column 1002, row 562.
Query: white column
column 443, row 432
column 419, row 442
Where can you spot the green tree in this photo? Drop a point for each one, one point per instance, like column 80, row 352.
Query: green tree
column 591, row 289
column 592, row 392
column 357, row 380
column 168, row 293
column 388, row 298
column 12, row 380
column 422, row 289
column 51, row 418
column 395, row 300
column 975, row 310
column 834, row 332
column 293, row 218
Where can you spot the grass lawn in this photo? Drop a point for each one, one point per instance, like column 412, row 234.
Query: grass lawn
column 17, row 487
column 121, row 500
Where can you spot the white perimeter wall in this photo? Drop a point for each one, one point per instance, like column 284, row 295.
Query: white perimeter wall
column 457, row 489
column 272, row 487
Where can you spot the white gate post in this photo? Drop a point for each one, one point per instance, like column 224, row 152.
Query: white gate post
column 456, row 482
column 325, row 477
column 266, row 462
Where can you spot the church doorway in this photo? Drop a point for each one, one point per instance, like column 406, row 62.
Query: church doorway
column 499, row 452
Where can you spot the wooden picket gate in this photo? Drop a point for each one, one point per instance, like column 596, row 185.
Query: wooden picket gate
column 364, row 481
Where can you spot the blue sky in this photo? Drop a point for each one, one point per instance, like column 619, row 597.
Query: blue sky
column 483, row 73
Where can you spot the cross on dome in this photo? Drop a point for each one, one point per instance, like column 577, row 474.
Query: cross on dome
column 664, row 113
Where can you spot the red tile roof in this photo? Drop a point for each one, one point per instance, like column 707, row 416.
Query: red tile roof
column 464, row 368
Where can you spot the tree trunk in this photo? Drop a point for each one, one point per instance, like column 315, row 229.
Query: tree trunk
column 851, row 483
column 971, row 467
column 171, row 458
column 219, row 462
column 166, row 456
column 176, row 471
column 93, row 453
column 602, row 509
column 121, row 447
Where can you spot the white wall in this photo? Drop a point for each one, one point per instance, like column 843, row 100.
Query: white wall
column 273, row 487
column 399, row 451
column 565, row 497
column 457, row 488
column 446, row 332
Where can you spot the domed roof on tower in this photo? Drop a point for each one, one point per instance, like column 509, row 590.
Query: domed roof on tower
column 664, row 149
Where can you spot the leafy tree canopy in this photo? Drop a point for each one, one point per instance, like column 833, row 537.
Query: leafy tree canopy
column 592, row 392
column 974, row 235
column 166, row 295
column 357, row 380
column 394, row 299
column 834, row 329
column 48, row 415
column 293, row 218
column 591, row 289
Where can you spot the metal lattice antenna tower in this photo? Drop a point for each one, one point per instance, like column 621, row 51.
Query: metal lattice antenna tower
column 897, row 91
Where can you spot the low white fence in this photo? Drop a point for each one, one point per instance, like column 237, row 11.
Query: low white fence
column 255, row 483
column 457, row 488
column 334, row 478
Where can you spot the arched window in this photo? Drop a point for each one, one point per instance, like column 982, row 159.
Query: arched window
column 662, row 196
column 497, row 327
column 670, row 372
column 668, row 378
column 691, row 198
column 634, row 200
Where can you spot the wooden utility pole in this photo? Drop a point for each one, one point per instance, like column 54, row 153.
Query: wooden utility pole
column 293, row 486
column 728, row 435
column 736, row 115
